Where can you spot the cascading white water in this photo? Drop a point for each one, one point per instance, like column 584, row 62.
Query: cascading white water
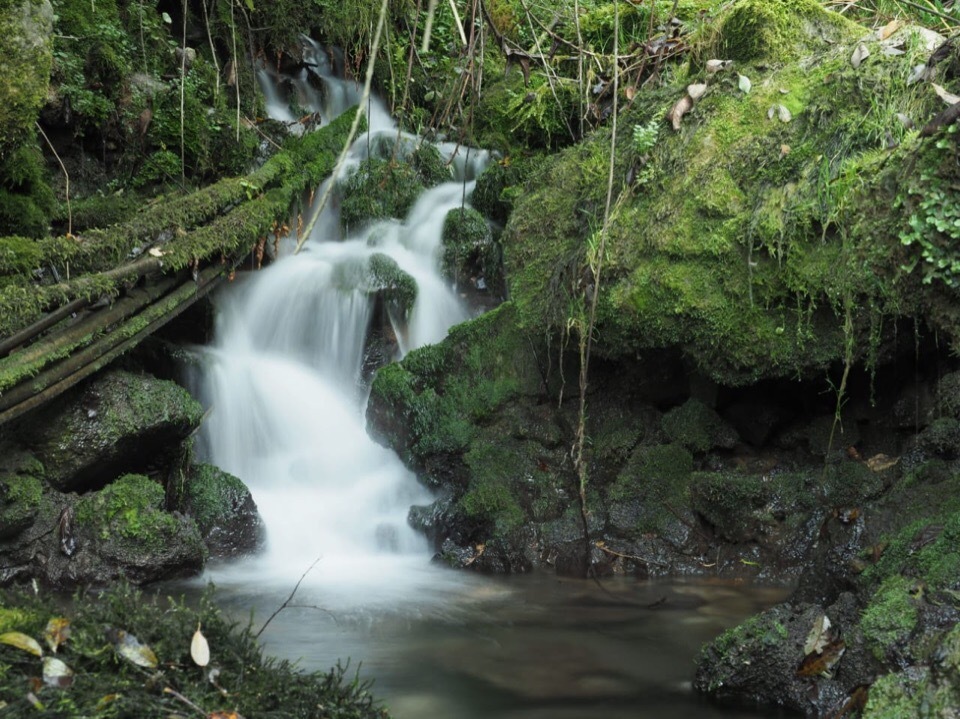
column 283, row 379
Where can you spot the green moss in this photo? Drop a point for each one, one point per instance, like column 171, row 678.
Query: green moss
column 428, row 162
column 657, row 477
column 468, row 246
column 496, row 473
column 776, row 29
column 891, row 615
column 379, row 189
column 21, row 491
column 697, row 427
column 498, row 186
column 211, row 495
column 130, row 507
column 895, row 696
column 399, row 290
column 25, row 61
column 942, row 438
column 108, row 685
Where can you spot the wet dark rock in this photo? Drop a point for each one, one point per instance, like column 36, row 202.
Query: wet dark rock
column 121, row 531
column 224, row 511
column 21, row 490
column 942, row 438
column 762, row 659
column 118, row 422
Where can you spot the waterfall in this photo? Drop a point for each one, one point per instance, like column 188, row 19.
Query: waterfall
column 283, row 377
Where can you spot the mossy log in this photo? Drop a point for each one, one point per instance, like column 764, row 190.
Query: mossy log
column 226, row 221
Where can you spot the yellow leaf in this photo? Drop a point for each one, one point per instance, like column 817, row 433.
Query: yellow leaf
column 56, row 633
column 888, row 29
column 200, row 649
column 22, row 641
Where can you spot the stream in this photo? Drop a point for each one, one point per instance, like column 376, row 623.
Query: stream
column 283, row 379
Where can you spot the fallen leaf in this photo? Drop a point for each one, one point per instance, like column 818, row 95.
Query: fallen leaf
column 784, row 151
column 630, row 92
column 56, row 633
column 859, row 55
column 56, row 673
column 819, row 636
column 199, row 649
column 743, row 82
column 130, row 648
column 880, row 462
column 905, row 121
column 784, row 91
column 888, row 29
column 155, row 252
column 918, row 73
column 783, row 113
column 224, row 715
column 823, row 664
column 22, row 641
column 683, row 106
column 715, row 66
column 948, row 97
column 696, row 90
column 891, row 50
column 771, row 111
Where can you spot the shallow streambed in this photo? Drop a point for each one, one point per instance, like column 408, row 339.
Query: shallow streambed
column 526, row 647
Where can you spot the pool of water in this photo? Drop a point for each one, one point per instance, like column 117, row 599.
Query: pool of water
column 525, row 647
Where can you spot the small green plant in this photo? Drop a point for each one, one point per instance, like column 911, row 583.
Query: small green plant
column 645, row 137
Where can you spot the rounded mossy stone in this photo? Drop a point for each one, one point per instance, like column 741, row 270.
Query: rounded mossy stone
column 496, row 189
column 468, row 247
column 397, row 288
column 777, row 30
column 698, row 427
column 942, row 438
column 654, row 484
column 429, row 164
column 379, row 189
column 848, row 483
column 223, row 509
column 117, row 422
column 26, row 57
column 21, row 491
column 134, row 534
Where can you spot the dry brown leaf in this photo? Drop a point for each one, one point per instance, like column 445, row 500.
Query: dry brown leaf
column 888, row 29
column 683, row 106
column 880, row 462
column 861, row 53
column 823, row 664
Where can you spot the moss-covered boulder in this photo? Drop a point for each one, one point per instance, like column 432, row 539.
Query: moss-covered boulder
column 379, row 189
column 470, row 256
column 21, row 488
column 394, row 286
column 123, row 531
column 698, row 428
column 118, row 422
column 223, row 509
column 763, row 237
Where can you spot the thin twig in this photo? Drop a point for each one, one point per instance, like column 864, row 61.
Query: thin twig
column 183, row 91
column 368, row 81
column 66, row 176
column 289, row 599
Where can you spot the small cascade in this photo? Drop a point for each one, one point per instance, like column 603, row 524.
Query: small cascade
column 284, row 376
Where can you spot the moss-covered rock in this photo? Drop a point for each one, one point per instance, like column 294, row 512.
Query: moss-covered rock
column 698, row 428
column 656, row 482
column 398, row 289
column 117, row 422
column 379, row 189
column 751, row 244
column 223, row 509
column 469, row 250
column 21, row 489
column 126, row 526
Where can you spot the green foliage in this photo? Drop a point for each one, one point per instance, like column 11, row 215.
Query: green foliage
column 108, row 685
column 645, row 136
column 26, row 200
column 25, row 60
column 934, row 224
